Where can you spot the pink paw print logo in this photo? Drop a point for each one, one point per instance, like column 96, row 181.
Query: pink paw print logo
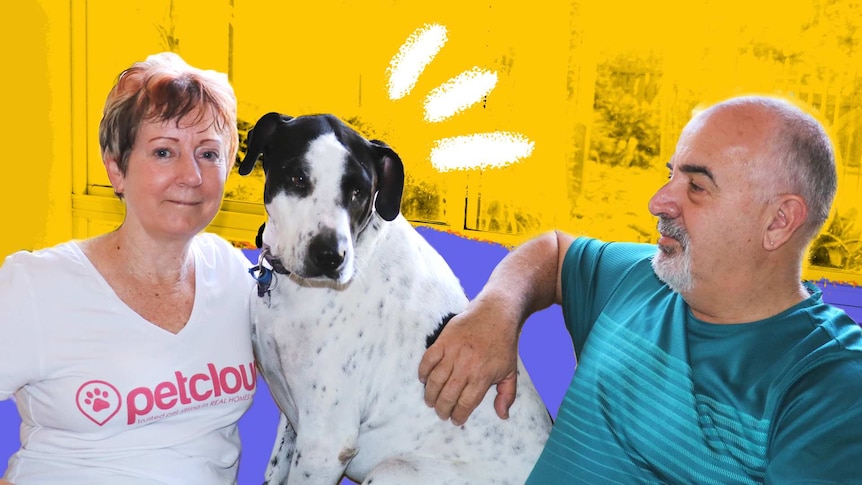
column 99, row 401
column 94, row 399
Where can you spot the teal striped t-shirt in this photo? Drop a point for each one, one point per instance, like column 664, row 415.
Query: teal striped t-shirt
column 659, row 396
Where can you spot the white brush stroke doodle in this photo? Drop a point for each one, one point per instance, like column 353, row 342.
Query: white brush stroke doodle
column 480, row 150
column 414, row 55
column 459, row 93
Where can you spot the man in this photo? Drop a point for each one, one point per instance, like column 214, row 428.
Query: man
column 704, row 361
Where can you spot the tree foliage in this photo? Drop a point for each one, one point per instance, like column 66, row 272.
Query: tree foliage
column 626, row 130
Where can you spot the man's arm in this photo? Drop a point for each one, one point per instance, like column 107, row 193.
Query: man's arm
column 479, row 347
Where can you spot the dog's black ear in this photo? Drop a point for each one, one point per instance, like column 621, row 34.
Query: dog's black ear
column 258, row 138
column 390, row 176
column 258, row 240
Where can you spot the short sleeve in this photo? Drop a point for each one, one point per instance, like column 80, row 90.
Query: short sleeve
column 816, row 438
column 592, row 270
column 19, row 329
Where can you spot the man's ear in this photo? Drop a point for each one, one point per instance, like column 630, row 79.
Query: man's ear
column 789, row 213
column 115, row 175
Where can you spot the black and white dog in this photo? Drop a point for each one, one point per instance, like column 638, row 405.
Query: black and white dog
column 339, row 329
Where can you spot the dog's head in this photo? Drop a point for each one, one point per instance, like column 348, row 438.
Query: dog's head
column 324, row 183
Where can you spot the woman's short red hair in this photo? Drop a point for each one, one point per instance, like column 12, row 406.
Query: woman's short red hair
column 165, row 87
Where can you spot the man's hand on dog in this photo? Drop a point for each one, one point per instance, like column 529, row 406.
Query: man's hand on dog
column 476, row 350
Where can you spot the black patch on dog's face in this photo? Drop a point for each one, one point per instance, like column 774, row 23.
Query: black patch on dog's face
column 323, row 183
column 357, row 186
column 371, row 167
column 290, row 176
column 288, row 168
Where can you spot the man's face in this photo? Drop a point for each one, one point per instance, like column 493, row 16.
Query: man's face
column 711, row 210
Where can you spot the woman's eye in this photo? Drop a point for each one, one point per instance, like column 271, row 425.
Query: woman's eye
column 210, row 155
column 162, row 152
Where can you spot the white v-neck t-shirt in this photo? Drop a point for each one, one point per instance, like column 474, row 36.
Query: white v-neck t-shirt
column 108, row 397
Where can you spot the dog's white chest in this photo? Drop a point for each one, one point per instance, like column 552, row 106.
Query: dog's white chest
column 340, row 347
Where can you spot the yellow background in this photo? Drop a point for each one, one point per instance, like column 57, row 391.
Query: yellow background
column 554, row 60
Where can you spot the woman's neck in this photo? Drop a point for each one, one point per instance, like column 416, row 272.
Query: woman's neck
column 144, row 257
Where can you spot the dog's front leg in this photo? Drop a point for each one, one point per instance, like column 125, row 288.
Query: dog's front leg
column 322, row 454
column 282, row 454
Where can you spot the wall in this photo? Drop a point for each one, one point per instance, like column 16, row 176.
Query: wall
column 599, row 90
column 35, row 185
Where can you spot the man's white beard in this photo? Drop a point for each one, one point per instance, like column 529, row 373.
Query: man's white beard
column 673, row 265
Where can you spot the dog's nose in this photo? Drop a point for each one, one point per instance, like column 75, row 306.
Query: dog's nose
column 326, row 254
column 327, row 259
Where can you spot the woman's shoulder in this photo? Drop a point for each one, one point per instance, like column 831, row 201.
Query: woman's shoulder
column 217, row 250
column 213, row 242
column 61, row 256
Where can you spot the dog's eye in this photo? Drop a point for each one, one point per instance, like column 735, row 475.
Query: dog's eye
column 356, row 194
column 298, row 181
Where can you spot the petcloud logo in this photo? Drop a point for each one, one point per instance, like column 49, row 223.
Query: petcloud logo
column 100, row 401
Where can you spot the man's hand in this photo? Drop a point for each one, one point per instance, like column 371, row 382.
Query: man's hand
column 477, row 349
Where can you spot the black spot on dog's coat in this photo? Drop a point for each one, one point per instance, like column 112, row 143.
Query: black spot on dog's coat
column 430, row 339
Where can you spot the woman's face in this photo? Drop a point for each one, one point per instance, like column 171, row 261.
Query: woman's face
column 175, row 177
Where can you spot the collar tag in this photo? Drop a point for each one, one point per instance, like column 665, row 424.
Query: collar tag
column 264, row 277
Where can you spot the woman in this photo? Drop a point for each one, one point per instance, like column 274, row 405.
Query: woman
column 129, row 354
